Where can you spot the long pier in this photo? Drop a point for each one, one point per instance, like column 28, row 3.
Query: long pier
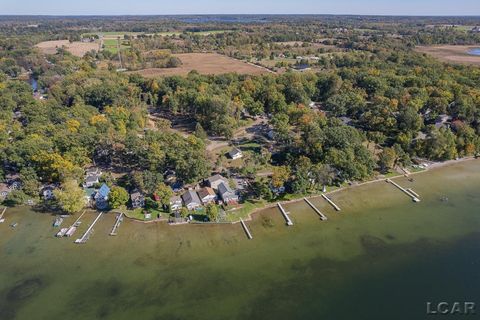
column 411, row 194
column 1, row 215
column 331, row 202
column 322, row 216
column 117, row 224
column 285, row 215
column 249, row 235
column 87, row 233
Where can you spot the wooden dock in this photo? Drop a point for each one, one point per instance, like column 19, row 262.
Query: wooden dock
column 87, row 233
column 322, row 216
column 411, row 194
column 1, row 215
column 117, row 224
column 285, row 215
column 249, row 235
column 331, row 202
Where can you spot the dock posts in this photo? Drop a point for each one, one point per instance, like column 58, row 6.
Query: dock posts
column 117, row 224
column 285, row 215
column 415, row 197
column 1, row 215
column 87, row 233
column 322, row 216
column 331, row 202
column 249, row 235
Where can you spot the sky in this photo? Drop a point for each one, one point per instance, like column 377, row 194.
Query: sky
column 162, row 7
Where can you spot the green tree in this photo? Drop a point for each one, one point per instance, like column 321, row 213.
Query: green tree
column 212, row 212
column 118, row 197
column 164, row 192
column 70, row 197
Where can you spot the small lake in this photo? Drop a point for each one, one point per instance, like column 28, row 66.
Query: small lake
column 475, row 52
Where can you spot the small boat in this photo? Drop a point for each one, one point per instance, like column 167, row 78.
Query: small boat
column 61, row 233
column 58, row 222
column 14, row 225
column 71, row 231
column 2, row 220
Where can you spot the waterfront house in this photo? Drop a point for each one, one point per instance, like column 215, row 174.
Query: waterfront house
column 47, row 192
column 4, row 191
column 235, row 154
column 101, row 197
column 92, row 177
column 175, row 203
column 191, row 200
column 89, row 196
column 207, row 195
column 227, row 194
column 137, row 199
column 214, row 181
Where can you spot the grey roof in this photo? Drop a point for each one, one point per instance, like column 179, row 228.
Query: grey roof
column 136, row 196
column 216, row 177
column 191, row 196
column 175, row 199
column 91, row 179
column 234, row 152
column 223, row 188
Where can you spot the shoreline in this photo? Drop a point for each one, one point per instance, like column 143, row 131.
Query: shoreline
column 249, row 216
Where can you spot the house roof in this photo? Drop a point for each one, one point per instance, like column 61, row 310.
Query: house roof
column 234, row 152
column 136, row 196
column 216, row 178
column 104, row 190
column 190, row 197
column 223, row 188
column 175, row 199
column 205, row 192
column 91, row 178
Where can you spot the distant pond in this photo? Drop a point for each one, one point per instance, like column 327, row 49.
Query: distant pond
column 475, row 51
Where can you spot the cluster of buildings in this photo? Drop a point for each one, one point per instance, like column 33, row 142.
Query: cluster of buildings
column 12, row 182
column 216, row 190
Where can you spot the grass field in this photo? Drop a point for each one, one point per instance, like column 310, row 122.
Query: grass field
column 78, row 49
column 204, row 63
column 111, row 45
column 452, row 54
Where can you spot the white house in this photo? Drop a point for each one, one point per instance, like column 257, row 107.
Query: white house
column 235, row 154
column 175, row 203
column 207, row 195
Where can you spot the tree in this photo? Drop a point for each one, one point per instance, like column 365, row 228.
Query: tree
column 280, row 176
column 200, row 132
column 70, row 197
column 387, row 159
column 118, row 197
column 212, row 212
column 184, row 212
column 164, row 192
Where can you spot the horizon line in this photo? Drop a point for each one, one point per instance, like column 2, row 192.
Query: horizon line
column 238, row 14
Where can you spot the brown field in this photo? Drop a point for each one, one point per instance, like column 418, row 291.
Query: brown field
column 204, row 63
column 452, row 54
column 78, row 49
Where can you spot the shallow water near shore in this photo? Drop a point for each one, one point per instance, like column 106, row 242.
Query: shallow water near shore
column 382, row 256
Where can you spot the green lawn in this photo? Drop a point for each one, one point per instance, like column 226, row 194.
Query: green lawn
column 111, row 45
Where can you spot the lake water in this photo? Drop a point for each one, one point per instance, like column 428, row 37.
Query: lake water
column 381, row 257
column 475, row 52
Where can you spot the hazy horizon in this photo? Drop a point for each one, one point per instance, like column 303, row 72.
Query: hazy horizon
column 246, row 7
